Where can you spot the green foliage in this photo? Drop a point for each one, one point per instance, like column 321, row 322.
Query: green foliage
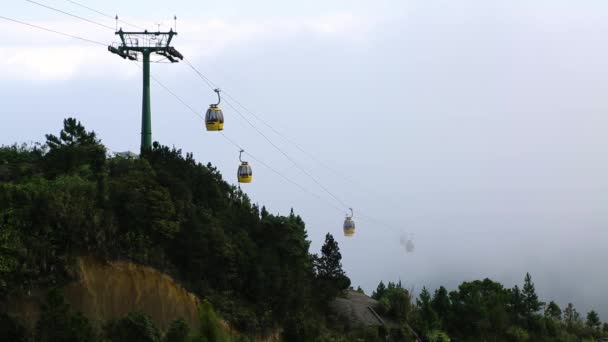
column 164, row 209
column 57, row 323
column 178, row 331
column 518, row 334
column 593, row 320
column 437, row 336
column 571, row 317
column 484, row 310
column 211, row 329
column 395, row 301
column 67, row 197
column 330, row 279
column 380, row 290
column 553, row 311
column 427, row 317
column 135, row 327
column 75, row 150
column 530, row 299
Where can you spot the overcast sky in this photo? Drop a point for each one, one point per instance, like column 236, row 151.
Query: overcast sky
column 478, row 128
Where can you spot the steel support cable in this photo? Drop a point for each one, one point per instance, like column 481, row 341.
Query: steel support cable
column 184, row 103
column 104, row 14
column 280, row 174
column 70, row 14
column 298, row 166
column 240, row 148
column 212, row 85
column 209, row 83
column 54, row 31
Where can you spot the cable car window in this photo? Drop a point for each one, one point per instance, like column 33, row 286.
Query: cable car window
column 211, row 115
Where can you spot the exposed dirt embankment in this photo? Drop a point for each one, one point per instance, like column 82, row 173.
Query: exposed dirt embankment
column 106, row 290
column 110, row 290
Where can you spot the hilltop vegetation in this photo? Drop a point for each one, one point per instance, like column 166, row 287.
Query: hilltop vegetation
column 484, row 310
column 67, row 197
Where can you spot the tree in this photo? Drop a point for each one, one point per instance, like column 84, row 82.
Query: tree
column 427, row 316
column 553, row 311
column 380, row 290
column 441, row 303
column 330, row 277
column 360, row 290
column 530, row 299
column 72, row 134
column 178, row 331
column 73, row 149
column 571, row 316
column 397, row 302
column 210, row 323
column 57, row 323
column 593, row 320
column 135, row 327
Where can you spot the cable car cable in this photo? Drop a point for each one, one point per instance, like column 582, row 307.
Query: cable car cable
column 70, row 14
column 288, row 157
column 240, row 148
column 212, row 85
column 196, row 113
column 53, row 31
column 104, row 14
column 281, row 175
column 369, row 218
column 297, row 165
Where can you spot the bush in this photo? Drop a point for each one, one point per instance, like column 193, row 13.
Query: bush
column 437, row 336
column 56, row 323
column 178, row 331
column 135, row 327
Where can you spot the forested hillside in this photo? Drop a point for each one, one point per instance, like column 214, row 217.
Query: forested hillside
column 67, row 197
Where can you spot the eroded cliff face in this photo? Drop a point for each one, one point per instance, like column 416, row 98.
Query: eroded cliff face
column 110, row 290
column 106, row 290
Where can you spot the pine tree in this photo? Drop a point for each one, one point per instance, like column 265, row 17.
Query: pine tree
column 329, row 275
column 571, row 316
column 553, row 311
column 380, row 291
column 593, row 320
column 441, row 302
column 530, row 299
column 428, row 316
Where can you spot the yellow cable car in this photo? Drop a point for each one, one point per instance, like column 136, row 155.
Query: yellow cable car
column 349, row 224
column 214, row 119
column 244, row 174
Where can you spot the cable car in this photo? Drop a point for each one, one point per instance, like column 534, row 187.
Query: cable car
column 244, row 173
column 214, row 119
column 349, row 224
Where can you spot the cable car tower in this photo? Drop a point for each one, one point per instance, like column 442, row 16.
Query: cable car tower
column 145, row 43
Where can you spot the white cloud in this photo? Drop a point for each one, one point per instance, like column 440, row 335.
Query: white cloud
column 34, row 55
